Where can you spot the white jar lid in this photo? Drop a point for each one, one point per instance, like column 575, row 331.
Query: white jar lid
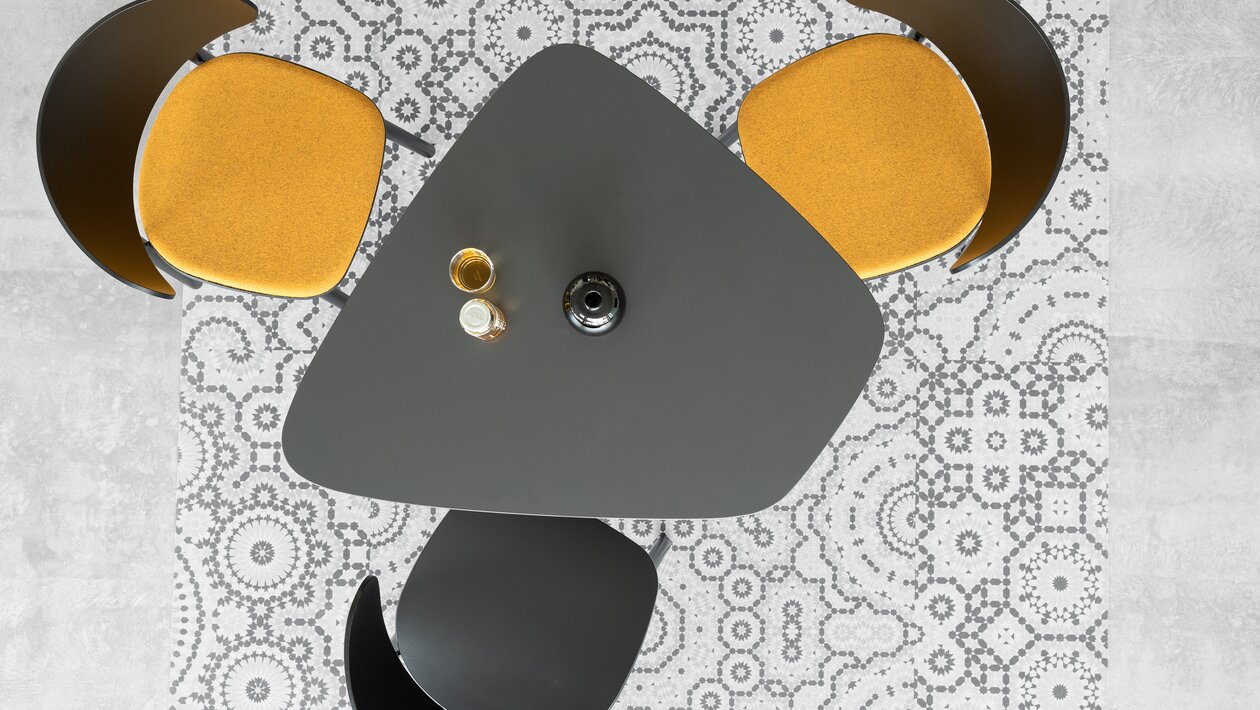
column 476, row 317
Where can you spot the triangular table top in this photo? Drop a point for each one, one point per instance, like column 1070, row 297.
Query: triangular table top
column 744, row 343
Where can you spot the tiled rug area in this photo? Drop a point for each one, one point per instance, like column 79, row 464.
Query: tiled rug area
column 946, row 550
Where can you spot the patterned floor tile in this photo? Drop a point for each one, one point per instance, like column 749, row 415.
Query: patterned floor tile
column 945, row 550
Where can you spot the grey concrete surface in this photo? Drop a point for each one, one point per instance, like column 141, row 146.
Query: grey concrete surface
column 88, row 397
column 88, row 388
column 1185, row 343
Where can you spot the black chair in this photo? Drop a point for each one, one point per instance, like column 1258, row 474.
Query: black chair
column 918, row 156
column 1018, row 83
column 93, row 118
column 511, row 611
column 375, row 677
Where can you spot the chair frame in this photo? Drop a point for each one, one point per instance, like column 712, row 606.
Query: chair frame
column 334, row 296
column 1027, row 129
column 93, row 198
column 385, row 682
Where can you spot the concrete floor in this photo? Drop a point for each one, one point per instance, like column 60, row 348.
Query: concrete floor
column 88, row 396
column 1185, row 344
column 88, row 385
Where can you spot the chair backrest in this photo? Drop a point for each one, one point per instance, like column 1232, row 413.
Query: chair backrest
column 93, row 117
column 375, row 677
column 1018, row 84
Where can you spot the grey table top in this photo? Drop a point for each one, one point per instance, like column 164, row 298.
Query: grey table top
column 745, row 340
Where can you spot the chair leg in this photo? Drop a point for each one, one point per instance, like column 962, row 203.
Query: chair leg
column 660, row 548
column 731, row 135
column 336, row 297
column 201, row 57
column 914, row 35
column 409, row 140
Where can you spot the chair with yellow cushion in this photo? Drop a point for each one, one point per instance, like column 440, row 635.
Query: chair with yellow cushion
column 881, row 147
column 257, row 173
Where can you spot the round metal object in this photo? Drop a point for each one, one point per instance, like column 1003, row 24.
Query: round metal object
column 594, row 303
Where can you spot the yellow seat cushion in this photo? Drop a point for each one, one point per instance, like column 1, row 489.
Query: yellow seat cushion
column 260, row 174
column 878, row 144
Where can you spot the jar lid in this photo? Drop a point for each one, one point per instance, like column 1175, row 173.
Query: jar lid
column 476, row 316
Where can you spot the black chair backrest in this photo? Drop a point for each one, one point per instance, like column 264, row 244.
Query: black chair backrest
column 93, row 117
column 375, row 676
column 1019, row 86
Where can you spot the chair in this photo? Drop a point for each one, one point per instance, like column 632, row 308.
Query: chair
column 510, row 611
column 257, row 174
column 880, row 146
column 375, row 677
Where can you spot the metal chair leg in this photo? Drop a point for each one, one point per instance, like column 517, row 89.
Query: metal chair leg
column 731, row 135
column 660, row 548
column 336, row 297
column 409, row 140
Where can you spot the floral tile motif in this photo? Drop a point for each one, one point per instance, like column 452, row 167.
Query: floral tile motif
column 946, row 550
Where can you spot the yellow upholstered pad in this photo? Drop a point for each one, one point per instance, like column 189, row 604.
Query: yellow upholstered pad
column 878, row 144
column 260, row 174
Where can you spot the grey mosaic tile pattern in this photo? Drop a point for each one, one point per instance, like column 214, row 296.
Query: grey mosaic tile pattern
column 946, row 550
